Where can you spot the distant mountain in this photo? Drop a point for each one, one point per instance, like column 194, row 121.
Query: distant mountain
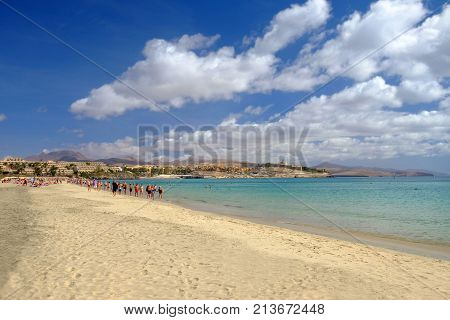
column 75, row 156
column 348, row 171
column 129, row 161
column 330, row 165
column 62, row 155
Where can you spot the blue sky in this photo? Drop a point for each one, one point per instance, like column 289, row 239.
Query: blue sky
column 41, row 79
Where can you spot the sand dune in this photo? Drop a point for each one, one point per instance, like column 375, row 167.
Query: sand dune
column 62, row 242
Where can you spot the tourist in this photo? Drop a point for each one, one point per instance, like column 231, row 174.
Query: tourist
column 152, row 192
column 114, row 188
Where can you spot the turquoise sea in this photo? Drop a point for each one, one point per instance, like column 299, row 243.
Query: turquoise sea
column 410, row 208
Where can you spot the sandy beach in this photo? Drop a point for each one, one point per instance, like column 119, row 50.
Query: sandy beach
column 63, row 242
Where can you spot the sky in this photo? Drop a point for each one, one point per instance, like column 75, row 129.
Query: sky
column 368, row 79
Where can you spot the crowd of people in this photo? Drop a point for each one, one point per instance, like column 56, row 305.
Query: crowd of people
column 116, row 187
column 120, row 187
column 32, row 181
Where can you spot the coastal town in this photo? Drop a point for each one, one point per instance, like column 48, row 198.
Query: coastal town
column 17, row 166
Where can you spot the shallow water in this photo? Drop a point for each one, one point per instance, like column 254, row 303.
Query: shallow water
column 412, row 208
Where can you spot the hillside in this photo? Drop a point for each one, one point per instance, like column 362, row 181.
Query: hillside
column 337, row 170
column 63, row 155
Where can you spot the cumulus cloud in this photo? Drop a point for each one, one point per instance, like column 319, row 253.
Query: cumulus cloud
column 364, row 121
column 121, row 148
column 361, row 34
column 367, row 119
column 186, row 70
column 290, row 24
column 175, row 72
column 413, row 92
column 367, row 109
column 2, row 117
column 420, row 55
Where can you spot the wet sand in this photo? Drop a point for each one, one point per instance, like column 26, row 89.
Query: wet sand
column 63, row 242
column 427, row 249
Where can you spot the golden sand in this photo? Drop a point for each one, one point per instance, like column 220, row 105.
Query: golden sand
column 63, row 242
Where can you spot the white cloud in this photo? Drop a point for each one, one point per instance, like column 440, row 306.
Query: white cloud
column 230, row 120
column 363, row 121
column 255, row 110
column 173, row 75
column 233, row 117
column 184, row 70
column 445, row 105
column 290, row 24
column 421, row 55
column 421, row 91
column 2, row 117
column 121, row 148
column 197, row 41
column 360, row 34
column 173, row 72
column 367, row 109
column 366, row 120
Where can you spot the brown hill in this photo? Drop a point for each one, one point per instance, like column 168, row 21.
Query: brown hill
column 337, row 170
column 62, row 155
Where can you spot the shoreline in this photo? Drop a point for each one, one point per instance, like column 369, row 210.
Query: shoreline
column 90, row 245
column 404, row 245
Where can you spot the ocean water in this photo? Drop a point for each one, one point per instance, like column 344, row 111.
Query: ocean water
column 411, row 208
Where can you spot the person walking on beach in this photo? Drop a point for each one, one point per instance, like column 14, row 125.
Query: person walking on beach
column 141, row 190
column 136, row 190
column 148, row 191
column 160, row 191
column 152, row 192
column 114, row 188
column 125, row 188
column 89, row 185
